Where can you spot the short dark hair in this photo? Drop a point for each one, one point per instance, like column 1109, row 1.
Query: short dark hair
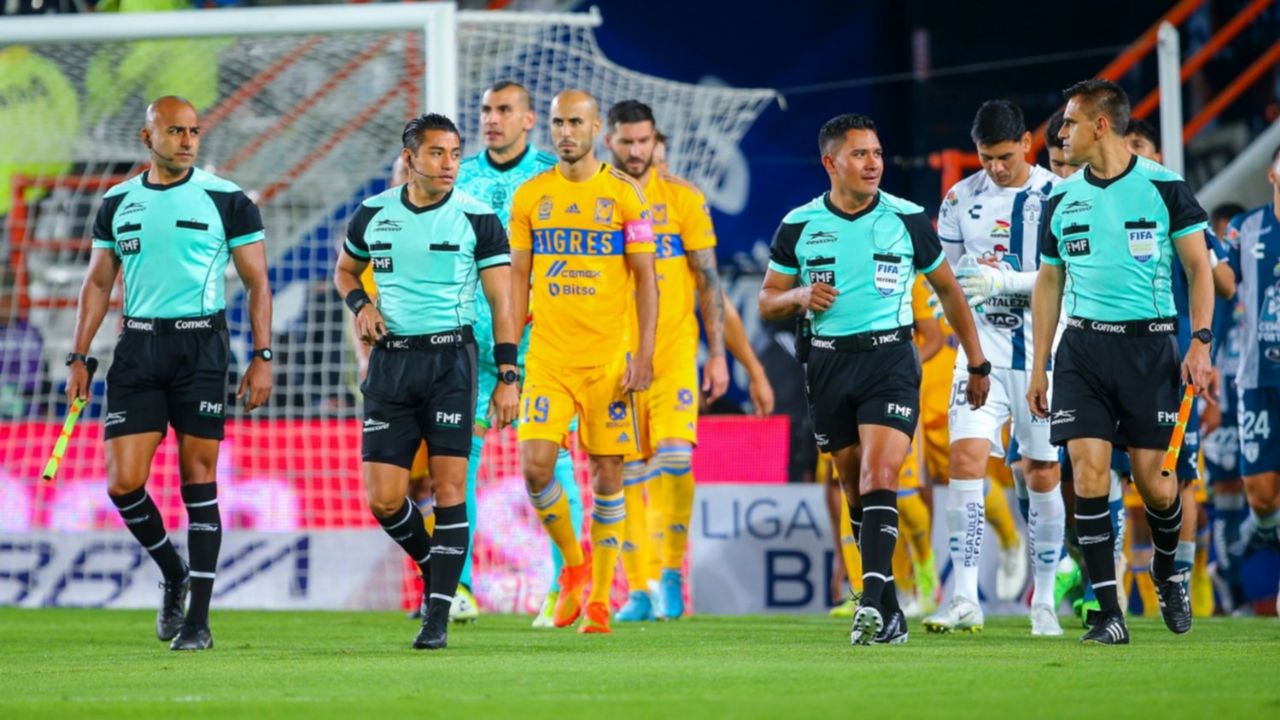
column 1226, row 211
column 1138, row 126
column 1051, row 130
column 837, row 127
column 630, row 111
column 998, row 121
column 661, row 137
column 417, row 127
column 1106, row 98
column 507, row 84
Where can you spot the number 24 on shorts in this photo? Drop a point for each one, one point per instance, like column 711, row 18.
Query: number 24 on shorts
column 1255, row 426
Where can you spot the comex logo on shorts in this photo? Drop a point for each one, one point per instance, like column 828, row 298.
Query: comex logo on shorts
column 371, row 425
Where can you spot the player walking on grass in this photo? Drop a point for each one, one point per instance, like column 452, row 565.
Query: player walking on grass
column 848, row 260
column 992, row 217
column 172, row 230
column 667, row 412
column 428, row 245
column 1108, row 238
column 584, row 231
column 492, row 175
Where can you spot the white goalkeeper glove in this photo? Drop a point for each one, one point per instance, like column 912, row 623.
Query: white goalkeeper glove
column 981, row 282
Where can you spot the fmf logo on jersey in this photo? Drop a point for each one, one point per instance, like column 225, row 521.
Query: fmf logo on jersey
column 1076, row 248
column 887, row 274
column 604, row 211
column 132, row 246
column 382, row 265
column 1142, row 239
column 822, row 276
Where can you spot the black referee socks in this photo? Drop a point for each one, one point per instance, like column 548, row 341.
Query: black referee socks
column 142, row 517
column 405, row 527
column 204, row 539
column 878, row 539
column 1093, row 529
column 449, row 547
column 1165, row 527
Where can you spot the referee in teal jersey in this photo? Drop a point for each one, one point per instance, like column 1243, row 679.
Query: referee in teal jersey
column 172, row 230
column 430, row 246
column 848, row 259
column 1109, row 236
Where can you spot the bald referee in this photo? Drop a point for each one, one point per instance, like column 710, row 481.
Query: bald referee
column 172, row 230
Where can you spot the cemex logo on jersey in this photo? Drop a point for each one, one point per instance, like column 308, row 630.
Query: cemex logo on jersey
column 387, row 225
column 383, row 265
column 1077, row 206
column 894, row 410
column 210, row 408
column 560, row 268
column 132, row 246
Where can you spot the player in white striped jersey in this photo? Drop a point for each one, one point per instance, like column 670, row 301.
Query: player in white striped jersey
column 988, row 225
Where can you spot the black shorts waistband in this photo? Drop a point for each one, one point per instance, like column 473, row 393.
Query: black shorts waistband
column 169, row 326
column 862, row 342
column 435, row 341
column 1130, row 328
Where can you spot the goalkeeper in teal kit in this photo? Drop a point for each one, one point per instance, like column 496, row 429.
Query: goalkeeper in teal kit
column 492, row 176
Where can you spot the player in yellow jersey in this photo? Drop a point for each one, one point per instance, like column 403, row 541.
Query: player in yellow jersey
column 582, row 246
column 668, row 411
column 419, row 477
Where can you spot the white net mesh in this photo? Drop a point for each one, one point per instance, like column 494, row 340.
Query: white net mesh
column 308, row 126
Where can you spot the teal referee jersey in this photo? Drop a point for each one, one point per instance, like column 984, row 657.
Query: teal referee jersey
column 174, row 241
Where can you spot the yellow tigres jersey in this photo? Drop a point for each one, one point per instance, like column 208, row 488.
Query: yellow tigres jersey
column 681, row 224
column 579, row 234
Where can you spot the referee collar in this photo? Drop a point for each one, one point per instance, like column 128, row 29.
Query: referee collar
column 831, row 207
column 153, row 186
column 1103, row 183
column 404, row 200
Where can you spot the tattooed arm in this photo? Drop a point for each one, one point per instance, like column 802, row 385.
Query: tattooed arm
column 711, row 302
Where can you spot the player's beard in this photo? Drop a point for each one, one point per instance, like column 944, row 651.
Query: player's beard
column 626, row 167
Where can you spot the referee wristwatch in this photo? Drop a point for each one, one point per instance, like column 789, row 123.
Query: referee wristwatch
column 982, row 370
column 1204, row 335
column 76, row 357
column 509, row 377
column 264, row 353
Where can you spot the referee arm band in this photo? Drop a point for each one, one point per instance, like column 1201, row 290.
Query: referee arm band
column 357, row 299
column 505, row 353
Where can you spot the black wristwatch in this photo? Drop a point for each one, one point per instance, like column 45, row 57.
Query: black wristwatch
column 509, row 377
column 982, row 370
column 1204, row 335
column 75, row 357
column 264, row 353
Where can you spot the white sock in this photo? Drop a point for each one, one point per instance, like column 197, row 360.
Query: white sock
column 1185, row 555
column 1267, row 523
column 1122, row 520
column 966, row 524
column 1046, row 527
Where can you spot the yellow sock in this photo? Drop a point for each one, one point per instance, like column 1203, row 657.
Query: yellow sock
column 849, row 548
column 553, row 509
column 656, row 520
column 608, row 516
column 903, row 577
column 913, row 519
column 635, row 533
column 1000, row 517
column 676, row 466
column 1140, row 567
column 1201, row 585
column 428, row 510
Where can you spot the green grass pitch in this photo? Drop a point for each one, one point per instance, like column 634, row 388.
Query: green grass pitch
column 108, row 664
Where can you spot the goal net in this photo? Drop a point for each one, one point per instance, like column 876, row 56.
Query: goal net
column 307, row 119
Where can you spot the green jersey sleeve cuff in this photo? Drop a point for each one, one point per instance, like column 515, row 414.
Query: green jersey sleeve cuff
column 354, row 251
column 1188, row 230
column 493, row 261
column 774, row 266
column 1050, row 260
column 103, row 244
column 934, row 265
column 249, row 239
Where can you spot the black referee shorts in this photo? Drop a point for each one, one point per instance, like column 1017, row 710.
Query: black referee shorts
column 1114, row 386
column 416, row 391
column 879, row 386
column 169, row 372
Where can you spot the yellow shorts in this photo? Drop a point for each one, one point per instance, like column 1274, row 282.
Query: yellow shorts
column 909, row 476
column 419, row 468
column 1132, row 500
column 668, row 410
column 552, row 396
column 935, row 406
